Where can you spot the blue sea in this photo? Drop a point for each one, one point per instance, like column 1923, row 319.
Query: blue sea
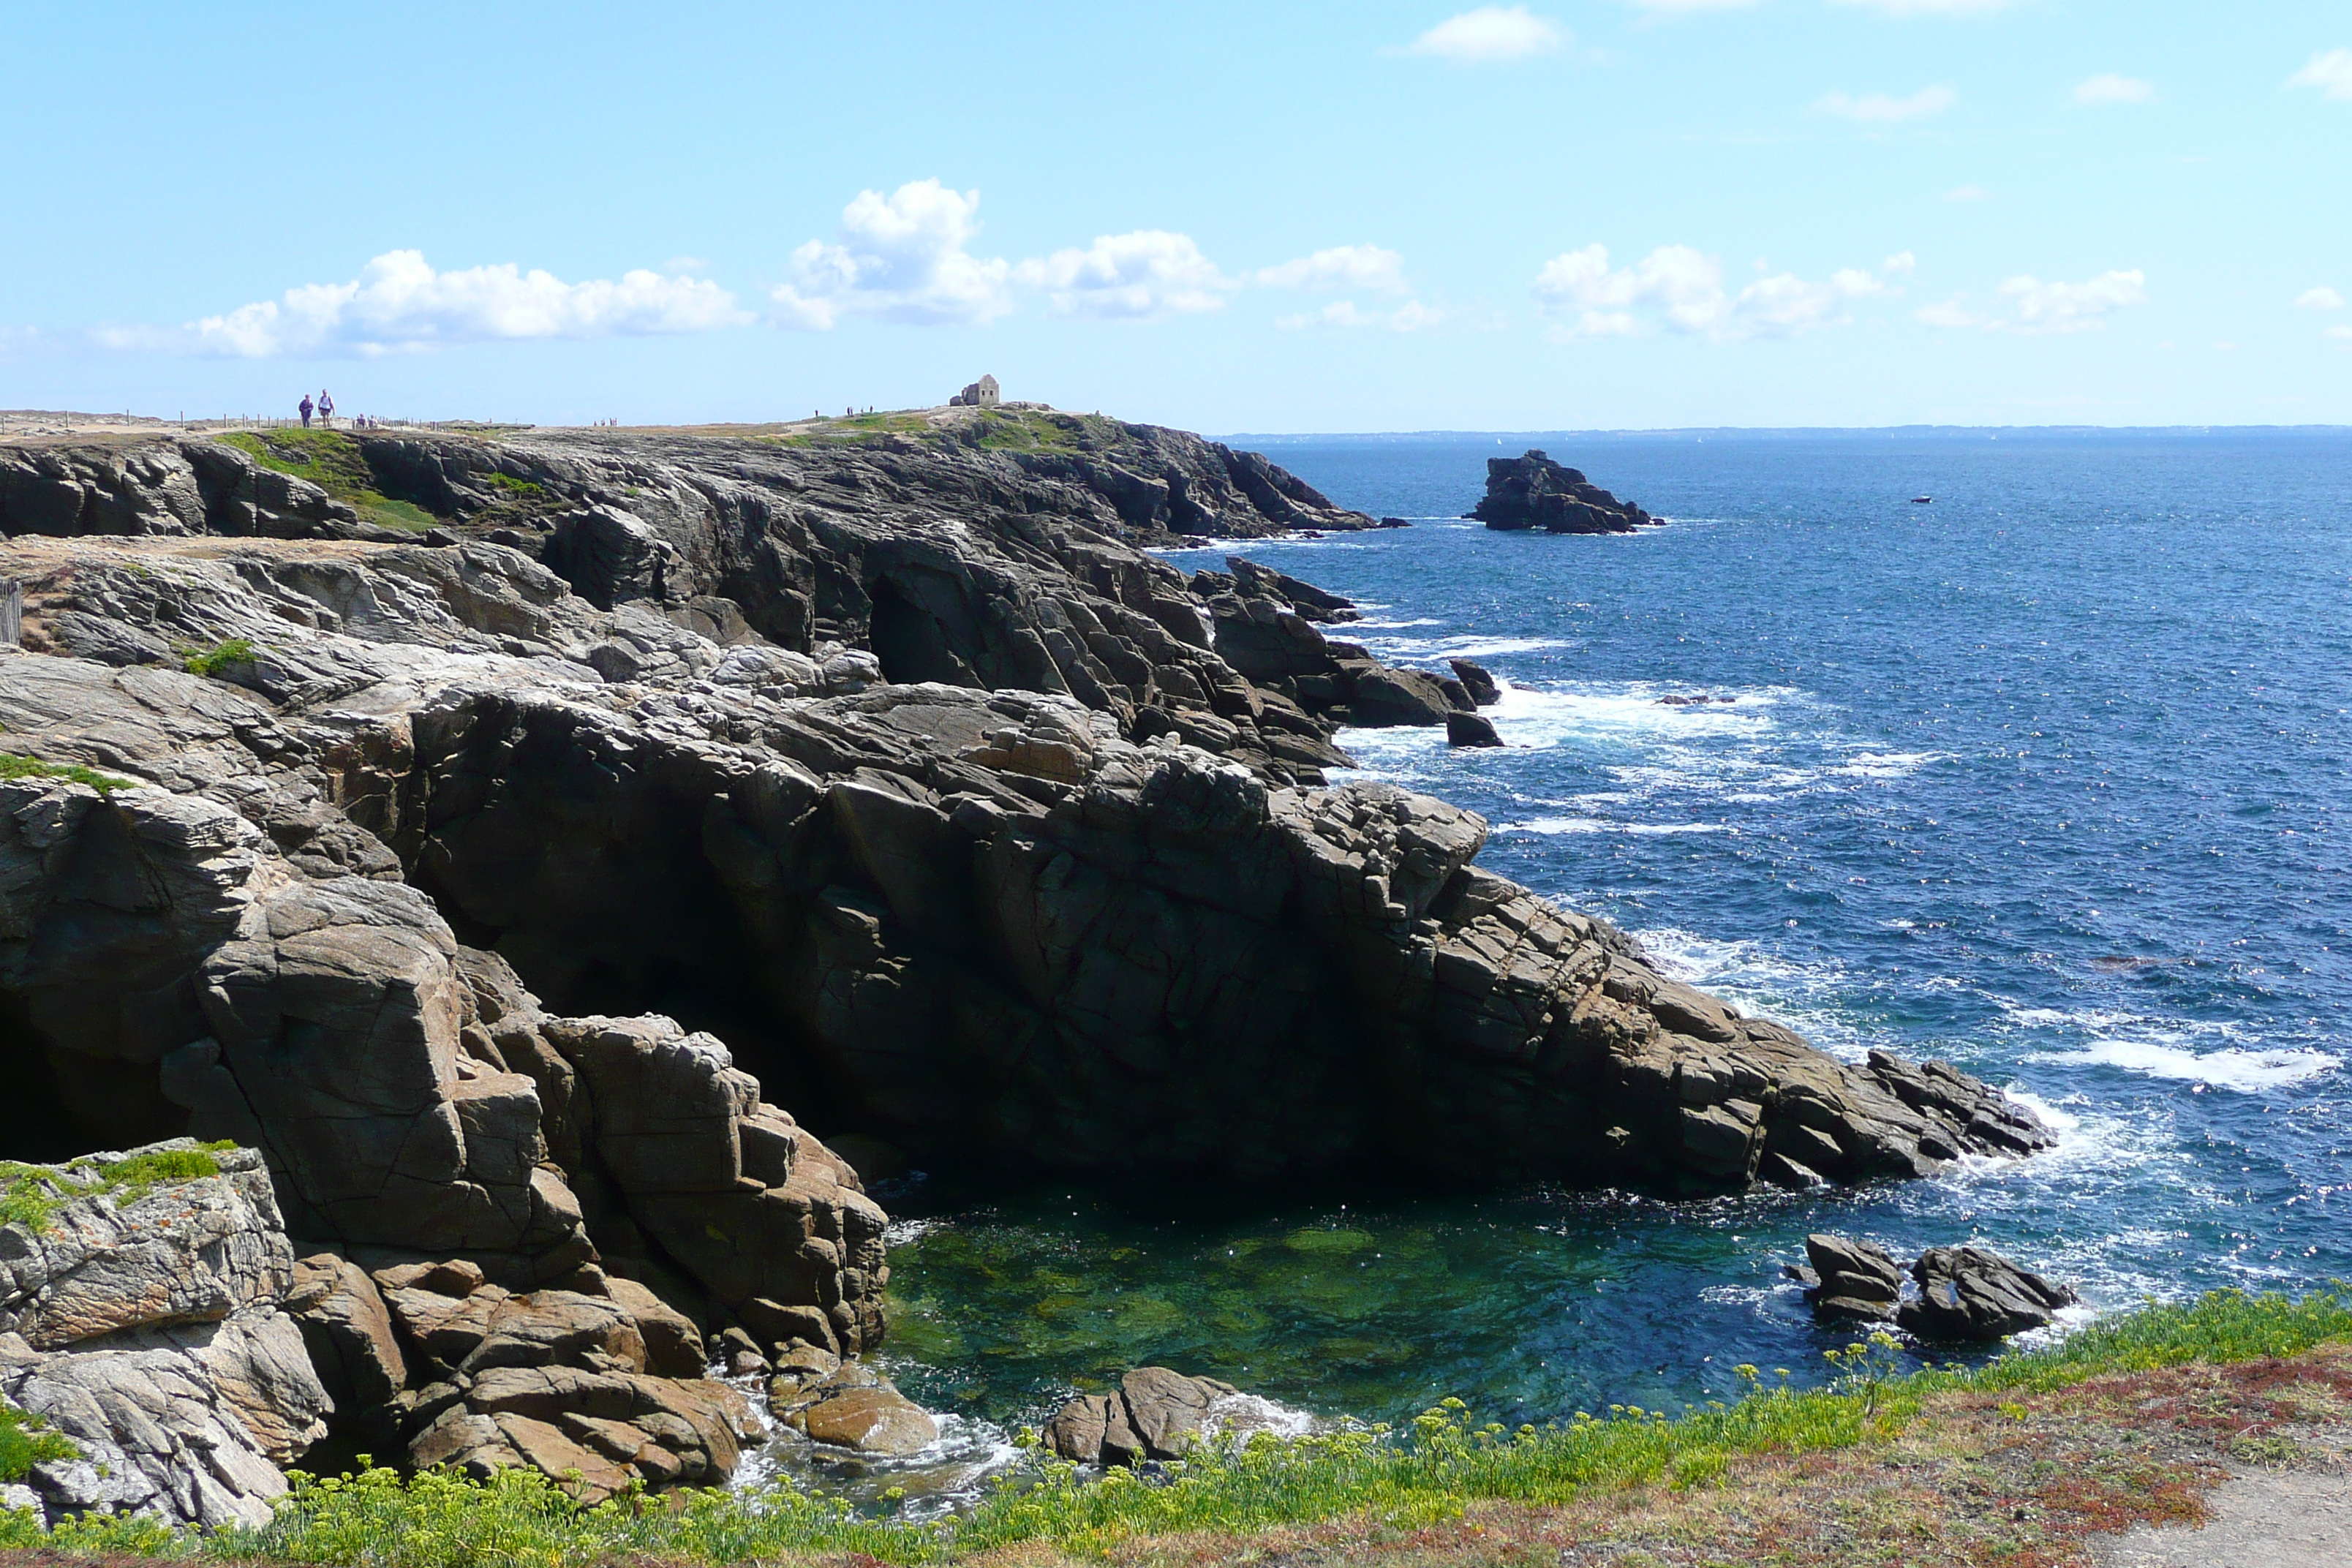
column 2047, row 778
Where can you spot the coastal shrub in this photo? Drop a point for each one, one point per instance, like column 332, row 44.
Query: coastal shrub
column 220, row 656
column 1431, row 1471
column 13, row 766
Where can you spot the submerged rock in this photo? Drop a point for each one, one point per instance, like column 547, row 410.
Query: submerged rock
column 1533, row 491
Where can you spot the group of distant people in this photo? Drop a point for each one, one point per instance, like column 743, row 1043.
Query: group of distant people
column 324, row 409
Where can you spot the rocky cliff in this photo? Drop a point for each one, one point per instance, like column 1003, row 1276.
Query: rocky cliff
column 501, row 888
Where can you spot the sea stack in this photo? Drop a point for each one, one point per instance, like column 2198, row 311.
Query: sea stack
column 1533, row 491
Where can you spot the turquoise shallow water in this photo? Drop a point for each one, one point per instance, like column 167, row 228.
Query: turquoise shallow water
column 2047, row 778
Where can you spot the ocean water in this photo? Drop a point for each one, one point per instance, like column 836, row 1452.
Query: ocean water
column 2047, row 778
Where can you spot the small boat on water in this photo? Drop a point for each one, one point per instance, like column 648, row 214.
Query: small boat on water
column 1922, row 500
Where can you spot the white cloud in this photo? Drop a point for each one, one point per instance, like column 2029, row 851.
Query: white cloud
column 2108, row 88
column 1589, row 298
column 2338, row 334
column 1341, row 266
column 2072, row 307
column 2331, row 73
column 1929, row 7
column 1952, row 313
column 2320, row 299
column 1129, row 276
column 1413, row 316
column 1883, row 108
column 1679, row 7
column 1493, row 34
column 398, row 303
column 902, row 259
column 2035, row 308
column 1967, row 193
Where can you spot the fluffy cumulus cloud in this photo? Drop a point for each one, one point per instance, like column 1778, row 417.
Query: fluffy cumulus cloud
column 1342, row 267
column 2320, row 299
column 1885, row 108
column 398, row 303
column 1129, row 276
column 2331, row 73
column 1492, row 35
column 2026, row 304
column 1683, row 290
column 2107, row 87
column 901, row 258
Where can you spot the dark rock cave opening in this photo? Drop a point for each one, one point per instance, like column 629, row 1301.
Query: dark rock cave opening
column 59, row 1104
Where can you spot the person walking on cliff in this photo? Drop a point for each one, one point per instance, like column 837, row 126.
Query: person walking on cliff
column 326, row 410
column 306, row 411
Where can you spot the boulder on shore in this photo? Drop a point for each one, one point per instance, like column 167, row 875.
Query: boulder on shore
column 1154, row 1414
column 1533, row 491
column 854, row 1407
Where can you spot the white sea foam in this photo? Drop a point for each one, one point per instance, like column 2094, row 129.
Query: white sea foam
column 2229, row 1054
column 1548, row 824
column 1465, row 646
column 2231, row 1067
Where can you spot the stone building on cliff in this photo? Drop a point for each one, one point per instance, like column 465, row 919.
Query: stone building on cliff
column 981, row 394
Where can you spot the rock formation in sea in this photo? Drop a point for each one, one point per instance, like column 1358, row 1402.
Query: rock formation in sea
column 502, row 886
column 1533, row 491
column 1965, row 1292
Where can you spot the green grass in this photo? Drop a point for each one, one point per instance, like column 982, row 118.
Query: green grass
column 24, row 1443
column 1428, row 1473
column 13, row 766
column 220, row 656
column 1032, row 430
column 857, row 429
column 29, row 1194
column 332, row 461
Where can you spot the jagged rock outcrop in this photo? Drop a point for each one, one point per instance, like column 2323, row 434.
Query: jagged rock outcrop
column 1968, row 1293
column 1851, row 1279
column 1533, row 491
column 559, row 1380
column 139, row 1318
column 1474, row 679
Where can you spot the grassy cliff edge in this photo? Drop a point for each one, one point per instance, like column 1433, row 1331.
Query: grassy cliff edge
column 2115, row 1415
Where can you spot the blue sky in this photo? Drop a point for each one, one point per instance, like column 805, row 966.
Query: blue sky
column 1268, row 217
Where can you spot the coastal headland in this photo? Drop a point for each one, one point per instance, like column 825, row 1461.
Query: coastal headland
column 513, row 845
